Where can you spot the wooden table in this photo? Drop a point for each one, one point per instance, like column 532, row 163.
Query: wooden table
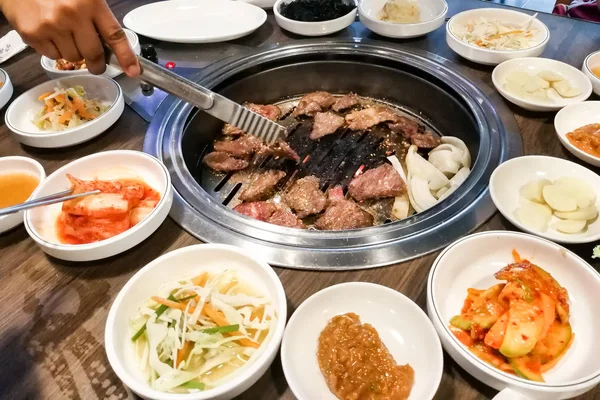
column 53, row 313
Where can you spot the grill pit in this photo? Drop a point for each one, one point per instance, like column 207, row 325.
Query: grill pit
column 424, row 86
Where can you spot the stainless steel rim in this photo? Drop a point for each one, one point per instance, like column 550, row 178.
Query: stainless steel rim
column 461, row 213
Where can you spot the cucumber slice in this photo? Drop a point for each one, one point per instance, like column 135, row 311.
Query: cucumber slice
column 527, row 367
column 525, row 324
column 554, row 344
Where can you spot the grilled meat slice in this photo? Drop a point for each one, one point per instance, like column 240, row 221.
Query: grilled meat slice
column 223, row 162
column 364, row 119
column 314, row 102
column 325, row 124
column 342, row 215
column 425, row 140
column 377, row 183
column 260, row 210
column 242, row 147
column 305, row 197
column 404, row 126
column 345, row 102
column 269, row 111
column 230, row 130
column 262, row 185
column 335, row 194
column 280, row 149
column 284, row 217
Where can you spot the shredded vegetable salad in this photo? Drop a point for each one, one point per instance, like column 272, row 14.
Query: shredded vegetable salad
column 67, row 108
column 495, row 35
column 197, row 333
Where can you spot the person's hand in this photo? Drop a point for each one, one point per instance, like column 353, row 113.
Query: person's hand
column 71, row 29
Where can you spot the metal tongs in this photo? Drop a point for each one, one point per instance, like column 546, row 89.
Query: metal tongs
column 206, row 100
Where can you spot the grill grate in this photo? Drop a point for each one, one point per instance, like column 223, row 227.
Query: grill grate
column 334, row 159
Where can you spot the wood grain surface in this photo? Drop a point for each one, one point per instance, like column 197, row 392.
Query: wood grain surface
column 52, row 313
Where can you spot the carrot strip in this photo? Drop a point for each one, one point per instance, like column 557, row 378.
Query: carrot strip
column 201, row 279
column 229, row 285
column 65, row 117
column 499, row 35
column 80, row 108
column 184, row 352
column 43, row 96
column 60, row 98
column 49, row 104
column 220, row 320
column 172, row 304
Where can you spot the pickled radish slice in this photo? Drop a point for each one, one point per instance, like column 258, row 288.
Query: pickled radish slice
column 534, row 216
column 582, row 214
column 550, row 76
column 559, row 198
column 532, row 191
column 569, row 226
column 586, row 195
column 565, row 89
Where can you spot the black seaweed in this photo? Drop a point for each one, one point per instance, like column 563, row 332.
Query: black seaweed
column 315, row 10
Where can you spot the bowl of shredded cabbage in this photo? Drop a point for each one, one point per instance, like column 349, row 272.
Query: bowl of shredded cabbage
column 66, row 111
column 205, row 321
column 490, row 36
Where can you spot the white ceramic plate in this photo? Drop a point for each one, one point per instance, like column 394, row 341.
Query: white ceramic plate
column 402, row 325
column 511, row 175
column 21, row 113
column 575, row 116
column 16, row 165
column 433, row 15
column 6, row 90
column 183, row 263
column 195, row 21
column 313, row 28
column 495, row 57
column 472, row 261
column 40, row 222
column 575, row 77
column 267, row 4
column 592, row 61
column 111, row 72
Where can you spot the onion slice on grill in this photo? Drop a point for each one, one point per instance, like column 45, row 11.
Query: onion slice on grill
column 418, row 166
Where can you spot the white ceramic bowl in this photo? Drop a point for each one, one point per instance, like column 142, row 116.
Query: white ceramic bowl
column 471, row 262
column 575, row 116
column 40, row 222
column 312, row 28
column 111, row 72
column 495, row 57
column 24, row 165
column 511, row 175
column 6, row 90
column 433, row 15
column 20, row 115
column 266, row 4
column 532, row 65
column 592, row 61
column 402, row 325
column 182, row 263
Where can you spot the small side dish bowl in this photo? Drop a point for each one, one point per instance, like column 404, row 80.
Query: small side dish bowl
column 593, row 62
column 575, row 116
column 471, row 262
column 402, row 326
column 15, row 165
column 494, row 57
column 511, row 175
column 41, row 222
column 433, row 15
column 183, row 263
column 531, row 65
column 21, row 113
column 6, row 90
column 313, row 28
column 111, row 72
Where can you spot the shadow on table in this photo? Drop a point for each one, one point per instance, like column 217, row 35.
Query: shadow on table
column 153, row 247
column 18, row 379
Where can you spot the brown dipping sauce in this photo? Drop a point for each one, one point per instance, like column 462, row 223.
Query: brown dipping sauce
column 586, row 138
column 357, row 365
